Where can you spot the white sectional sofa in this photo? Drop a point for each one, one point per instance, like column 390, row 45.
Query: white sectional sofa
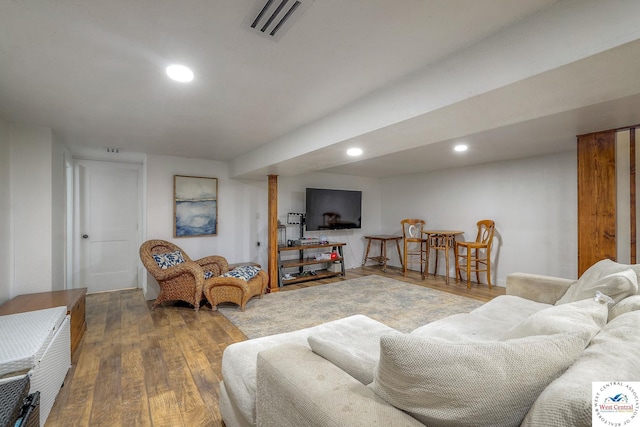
column 526, row 358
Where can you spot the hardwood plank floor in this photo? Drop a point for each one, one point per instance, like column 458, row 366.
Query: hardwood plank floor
column 143, row 367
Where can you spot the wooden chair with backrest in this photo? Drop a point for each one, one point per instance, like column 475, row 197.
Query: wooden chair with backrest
column 471, row 253
column 414, row 244
column 182, row 280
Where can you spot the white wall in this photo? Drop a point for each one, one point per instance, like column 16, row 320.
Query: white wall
column 31, row 192
column 242, row 213
column 5, row 214
column 32, row 210
column 291, row 198
column 533, row 201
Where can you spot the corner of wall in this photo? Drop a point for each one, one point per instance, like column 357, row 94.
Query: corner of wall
column 6, row 254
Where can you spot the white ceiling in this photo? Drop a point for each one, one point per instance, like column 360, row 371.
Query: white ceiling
column 403, row 79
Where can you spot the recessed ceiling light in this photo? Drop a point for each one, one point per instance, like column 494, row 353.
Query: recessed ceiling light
column 354, row 151
column 180, row 73
column 460, row 148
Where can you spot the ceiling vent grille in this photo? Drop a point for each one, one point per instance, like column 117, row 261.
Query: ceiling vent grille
column 272, row 18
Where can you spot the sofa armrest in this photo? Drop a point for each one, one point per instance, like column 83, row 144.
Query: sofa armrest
column 296, row 387
column 546, row 289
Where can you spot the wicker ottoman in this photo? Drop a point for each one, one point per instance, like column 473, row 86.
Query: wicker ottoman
column 229, row 289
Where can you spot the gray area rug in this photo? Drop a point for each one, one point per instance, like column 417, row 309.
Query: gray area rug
column 401, row 305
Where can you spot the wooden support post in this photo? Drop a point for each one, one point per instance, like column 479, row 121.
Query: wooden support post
column 273, row 233
column 596, row 198
column 632, row 204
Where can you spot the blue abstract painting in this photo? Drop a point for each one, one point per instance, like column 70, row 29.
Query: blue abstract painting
column 196, row 206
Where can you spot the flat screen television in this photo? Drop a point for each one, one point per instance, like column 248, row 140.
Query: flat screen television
column 333, row 209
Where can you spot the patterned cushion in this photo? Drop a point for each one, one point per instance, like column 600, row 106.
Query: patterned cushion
column 208, row 275
column 244, row 272
column 169, row 259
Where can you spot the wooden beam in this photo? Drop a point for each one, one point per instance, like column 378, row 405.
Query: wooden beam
column 273, row 233
column 596, row 199
column 632, row 193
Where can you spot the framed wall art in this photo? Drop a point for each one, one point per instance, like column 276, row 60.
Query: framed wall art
column 195, row 208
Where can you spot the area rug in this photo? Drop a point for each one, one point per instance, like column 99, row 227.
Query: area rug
column 401, row 305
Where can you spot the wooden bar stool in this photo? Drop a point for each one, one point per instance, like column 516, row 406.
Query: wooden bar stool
column 415, row 245
column 472, row 252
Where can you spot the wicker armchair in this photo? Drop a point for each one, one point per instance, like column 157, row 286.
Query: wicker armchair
column 184, row 281
column 230, row 289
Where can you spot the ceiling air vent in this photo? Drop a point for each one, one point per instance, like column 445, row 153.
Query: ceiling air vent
column 272, row 18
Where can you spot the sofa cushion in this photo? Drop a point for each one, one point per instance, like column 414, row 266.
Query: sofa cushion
column 605, row 267
column 239, row 359
column 586, row 317
column 628, row 304
column 487, row 322
column 355, row 353
column 611, row 356
column 470, row 383
column 169, row 259
column 617, row 285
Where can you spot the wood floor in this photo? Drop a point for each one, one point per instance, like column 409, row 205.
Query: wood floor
column 138, row 367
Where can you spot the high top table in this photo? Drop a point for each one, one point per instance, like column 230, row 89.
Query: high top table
column 382, row 258
column 441, row 240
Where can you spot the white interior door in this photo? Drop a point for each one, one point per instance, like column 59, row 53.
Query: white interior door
column 108, row 214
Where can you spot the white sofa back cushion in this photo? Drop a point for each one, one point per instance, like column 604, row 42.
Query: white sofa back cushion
column 470, row 383
column 628, row 304
column 586, row 317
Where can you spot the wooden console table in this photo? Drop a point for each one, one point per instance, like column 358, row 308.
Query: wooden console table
column 74, row 299
column 382, row 259
column 300, row 261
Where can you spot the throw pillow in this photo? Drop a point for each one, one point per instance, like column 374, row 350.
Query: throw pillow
column 586, row 317
column 618, row 286
column 208, row 275
column 244, row 272
column 606, row 267
column 169, row 259
column 478, row 383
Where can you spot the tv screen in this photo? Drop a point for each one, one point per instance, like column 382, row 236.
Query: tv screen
column 333, row 209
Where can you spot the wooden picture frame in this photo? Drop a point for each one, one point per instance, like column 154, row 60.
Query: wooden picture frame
column 195, row 206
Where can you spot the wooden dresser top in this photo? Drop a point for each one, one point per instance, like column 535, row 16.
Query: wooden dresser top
column 42, row 300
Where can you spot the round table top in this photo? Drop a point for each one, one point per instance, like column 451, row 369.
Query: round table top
column 383, row 237
column 449, row 232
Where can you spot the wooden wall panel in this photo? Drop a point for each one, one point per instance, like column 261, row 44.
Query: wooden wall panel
column 596, row 198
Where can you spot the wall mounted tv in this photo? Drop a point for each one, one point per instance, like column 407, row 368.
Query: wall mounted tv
column 333, row 209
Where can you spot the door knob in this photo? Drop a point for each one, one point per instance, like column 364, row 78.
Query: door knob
column 85, row 236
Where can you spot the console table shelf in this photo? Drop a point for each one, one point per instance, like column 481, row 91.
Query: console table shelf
column 301, row 261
